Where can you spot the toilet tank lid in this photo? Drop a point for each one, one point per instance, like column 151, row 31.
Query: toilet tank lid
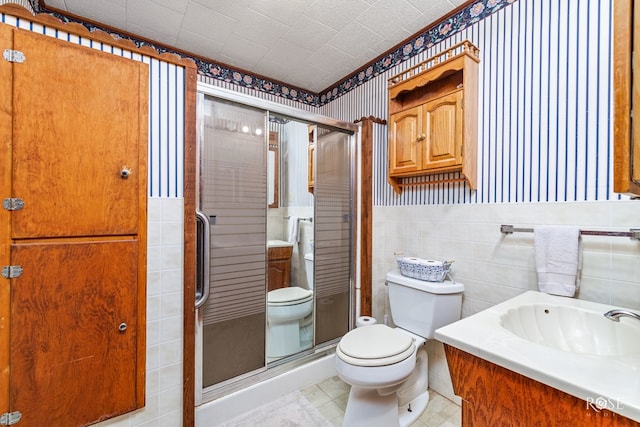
column 446, row 287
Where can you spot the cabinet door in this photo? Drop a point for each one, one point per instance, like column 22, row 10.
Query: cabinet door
column 443, row 142
column 74, row 328
column 405, row 131
column 62, row 125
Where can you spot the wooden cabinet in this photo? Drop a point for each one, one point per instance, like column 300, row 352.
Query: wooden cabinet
column 433, row 122
column 427, row 138
column 626, row 141
column 73, row 322
column 279, row 267
column 495, row 396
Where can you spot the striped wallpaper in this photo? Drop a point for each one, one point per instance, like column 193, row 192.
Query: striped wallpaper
column 544, row 108
column 166, row 109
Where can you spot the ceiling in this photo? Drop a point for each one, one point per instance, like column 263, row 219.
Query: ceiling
column 310, row 44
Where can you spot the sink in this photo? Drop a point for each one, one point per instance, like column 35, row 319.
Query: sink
column 573, row 330
column 278, row 244
column 564, row 343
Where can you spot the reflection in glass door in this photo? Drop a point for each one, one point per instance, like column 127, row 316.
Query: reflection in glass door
column 264, row 257
column 233, row 199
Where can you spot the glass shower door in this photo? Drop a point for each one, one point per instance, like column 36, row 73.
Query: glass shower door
column 333, row 233
column 232, row 198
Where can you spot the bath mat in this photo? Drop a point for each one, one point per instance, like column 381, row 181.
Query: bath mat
column 291, row 410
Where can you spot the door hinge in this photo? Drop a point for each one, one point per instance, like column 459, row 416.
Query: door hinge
column 13, row 204
column 13, row 56
column 10, row 418
column 12, row 271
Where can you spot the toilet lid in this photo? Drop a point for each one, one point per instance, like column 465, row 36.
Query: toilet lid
column 289, row 296
column 375, row 345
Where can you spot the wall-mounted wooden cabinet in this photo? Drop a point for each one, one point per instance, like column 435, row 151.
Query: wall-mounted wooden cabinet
column 427, row 138
column 433, row 118
column 626, row 141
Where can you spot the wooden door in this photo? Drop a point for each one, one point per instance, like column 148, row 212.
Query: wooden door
column 71, row 360
column 443, row 143
column 76, row 121
column 405, row 136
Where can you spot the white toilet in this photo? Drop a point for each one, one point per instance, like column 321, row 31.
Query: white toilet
column 289, row 310
column 387, row 368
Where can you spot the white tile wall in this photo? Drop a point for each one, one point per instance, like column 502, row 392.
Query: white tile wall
column 164, row 319
column 495, row 267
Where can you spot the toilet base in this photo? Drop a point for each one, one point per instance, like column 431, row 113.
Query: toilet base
column 417, row 406
column 367, row 408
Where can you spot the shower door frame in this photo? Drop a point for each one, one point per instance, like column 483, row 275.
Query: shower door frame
column 295, row 114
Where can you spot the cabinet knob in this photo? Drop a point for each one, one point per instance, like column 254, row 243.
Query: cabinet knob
column 125, row 172
column 422, row 137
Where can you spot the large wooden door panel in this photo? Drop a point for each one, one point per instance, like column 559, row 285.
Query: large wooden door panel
column 75, row 130
column 72, row 324
column 67, row 346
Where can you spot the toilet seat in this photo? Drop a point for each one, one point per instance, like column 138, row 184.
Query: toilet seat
column 288, row 296
column 375, row 345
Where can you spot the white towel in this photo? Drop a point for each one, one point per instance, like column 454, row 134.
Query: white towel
column 293, row 230
column 558, row 254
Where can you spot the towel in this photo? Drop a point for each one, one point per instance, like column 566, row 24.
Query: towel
column 558, row 255
column 293, row 230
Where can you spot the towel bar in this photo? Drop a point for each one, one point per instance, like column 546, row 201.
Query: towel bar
column 310, row 219
column 633, row 233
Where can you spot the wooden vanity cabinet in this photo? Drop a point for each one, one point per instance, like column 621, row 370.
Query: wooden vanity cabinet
column 433, row 124
column 279, row 267
column 495, row 396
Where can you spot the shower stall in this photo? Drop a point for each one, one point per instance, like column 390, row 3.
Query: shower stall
column 276, row 231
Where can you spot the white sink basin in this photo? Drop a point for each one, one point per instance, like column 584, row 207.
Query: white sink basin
column 573, row 329
column 564, row 343
column 278, row 243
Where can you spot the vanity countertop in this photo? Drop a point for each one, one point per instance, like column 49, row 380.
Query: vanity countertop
column 278, row 244
column 611, row 380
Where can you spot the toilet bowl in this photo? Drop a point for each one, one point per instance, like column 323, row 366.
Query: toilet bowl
column 386, row 367
column 289, row 312
column 287, row 307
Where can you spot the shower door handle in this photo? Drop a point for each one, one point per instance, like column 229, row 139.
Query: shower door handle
column 202, row 257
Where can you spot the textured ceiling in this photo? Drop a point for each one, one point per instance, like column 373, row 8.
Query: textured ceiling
column 306, row 43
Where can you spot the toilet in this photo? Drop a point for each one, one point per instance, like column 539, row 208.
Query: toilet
column 289, row 312
column 386, row 367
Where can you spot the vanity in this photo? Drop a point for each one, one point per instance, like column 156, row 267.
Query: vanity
column 278, row 264
column 539, row 359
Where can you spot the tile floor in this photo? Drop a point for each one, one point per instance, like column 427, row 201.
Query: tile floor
column 330, row 398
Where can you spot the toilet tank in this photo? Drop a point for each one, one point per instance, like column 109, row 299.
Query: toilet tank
column 308, row 266
column 422, row 307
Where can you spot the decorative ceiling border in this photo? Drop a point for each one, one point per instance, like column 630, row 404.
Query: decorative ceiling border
column 444, row 29
column 436, row 33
